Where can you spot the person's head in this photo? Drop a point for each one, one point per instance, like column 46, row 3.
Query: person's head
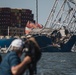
column 33, row 40
column 16, row 45
column 30, row 43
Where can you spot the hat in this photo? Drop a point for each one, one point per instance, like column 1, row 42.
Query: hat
column 17, row 43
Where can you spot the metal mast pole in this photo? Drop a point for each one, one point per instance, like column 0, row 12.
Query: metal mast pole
column 37, row 11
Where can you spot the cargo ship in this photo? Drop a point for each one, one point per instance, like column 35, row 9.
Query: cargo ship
column 58, row 18
column 45, row 43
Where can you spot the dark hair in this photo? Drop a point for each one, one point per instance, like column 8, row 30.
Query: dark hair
column 35, row 54
column 0, row 58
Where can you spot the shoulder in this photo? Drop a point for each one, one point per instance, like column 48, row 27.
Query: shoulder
column 13, row 58
column 12, row 55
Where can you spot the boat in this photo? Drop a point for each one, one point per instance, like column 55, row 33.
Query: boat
column 4, row 44
column 62, row 15
column 45, row 44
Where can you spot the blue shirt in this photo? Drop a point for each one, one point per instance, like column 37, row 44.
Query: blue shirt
column 11, row 59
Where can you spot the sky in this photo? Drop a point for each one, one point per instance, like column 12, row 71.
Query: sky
column 44, row 7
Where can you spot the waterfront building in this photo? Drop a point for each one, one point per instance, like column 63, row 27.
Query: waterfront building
column 14, row 18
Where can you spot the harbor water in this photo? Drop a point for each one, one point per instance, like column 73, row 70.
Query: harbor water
column 57, row 63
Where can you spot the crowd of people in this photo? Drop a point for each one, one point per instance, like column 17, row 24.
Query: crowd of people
column 12, row 64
